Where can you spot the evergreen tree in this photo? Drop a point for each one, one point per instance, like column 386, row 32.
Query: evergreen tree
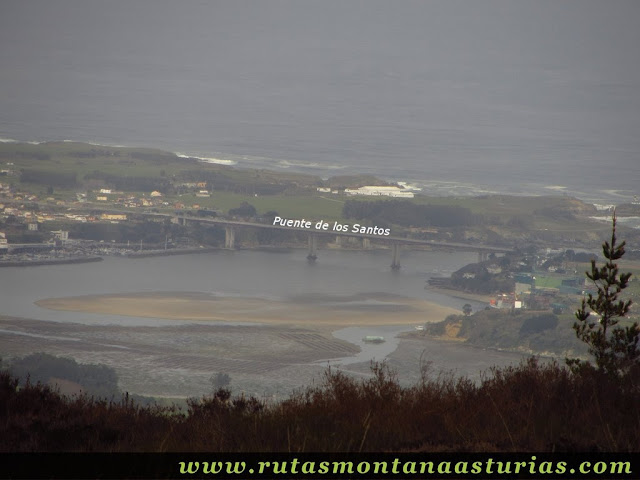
column 615, row 348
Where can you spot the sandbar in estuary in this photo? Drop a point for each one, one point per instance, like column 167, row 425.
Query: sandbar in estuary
column 303, row 310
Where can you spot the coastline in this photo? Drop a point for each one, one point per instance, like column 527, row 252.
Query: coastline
column 459, row 294
column 443, row 186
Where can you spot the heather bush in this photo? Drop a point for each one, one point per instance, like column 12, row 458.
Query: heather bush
column 529, row 407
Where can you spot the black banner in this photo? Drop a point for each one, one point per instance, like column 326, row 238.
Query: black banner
column 319, row 465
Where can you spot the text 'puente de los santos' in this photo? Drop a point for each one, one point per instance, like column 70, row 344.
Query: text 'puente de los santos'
column 395, row 243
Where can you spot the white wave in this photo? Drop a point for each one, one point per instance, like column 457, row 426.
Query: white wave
column 220, row 161
column 601, row 207
column 289, row 164
column 11, row 140
column 409, row 186
column 105, row 145
column 631, row 222
column 616, row 193
column 95, row 144
column 556, row 187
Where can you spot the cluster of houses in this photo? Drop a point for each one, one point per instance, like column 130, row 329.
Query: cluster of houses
column 153, row 199
column 538, row 292
column 130, row 201
column 6, row 191
column 32, row 219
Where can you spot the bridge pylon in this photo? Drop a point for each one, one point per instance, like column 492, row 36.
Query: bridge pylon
column 229, row 238
column 178, row 220
column 313, row 247
column 395, row 256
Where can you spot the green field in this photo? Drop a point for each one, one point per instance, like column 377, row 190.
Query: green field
column 311, row 207
column 81, row 159
column 548, row 282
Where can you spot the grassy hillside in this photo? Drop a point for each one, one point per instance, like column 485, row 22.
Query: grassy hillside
column 530, row 332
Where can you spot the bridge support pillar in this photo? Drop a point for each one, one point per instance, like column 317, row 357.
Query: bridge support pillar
column 313, row 248
column 366, row 243
column 395, row 256
column 339, row 239
column 229, row 238
column 482, row 257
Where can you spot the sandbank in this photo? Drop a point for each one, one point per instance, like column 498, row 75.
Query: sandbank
column 316, row 310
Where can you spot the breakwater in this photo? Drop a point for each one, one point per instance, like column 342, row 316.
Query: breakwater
column 166, row 253
column 50, row 261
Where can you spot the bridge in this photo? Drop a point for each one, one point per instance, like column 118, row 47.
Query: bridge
column 395, row 243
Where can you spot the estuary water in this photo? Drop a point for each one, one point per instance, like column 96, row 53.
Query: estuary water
column 282, row 276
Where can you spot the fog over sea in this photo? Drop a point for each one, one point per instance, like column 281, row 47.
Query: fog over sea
column 457, row 97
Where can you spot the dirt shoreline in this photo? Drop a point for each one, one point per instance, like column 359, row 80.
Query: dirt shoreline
column 369, row 309
column 476, row 297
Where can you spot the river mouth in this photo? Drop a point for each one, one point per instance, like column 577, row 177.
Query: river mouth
column 369, row 351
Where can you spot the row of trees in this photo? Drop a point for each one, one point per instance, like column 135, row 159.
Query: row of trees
column 222, row 182
column 131, row 183
column 51, row 179
column 98, row 380
column 407, row 213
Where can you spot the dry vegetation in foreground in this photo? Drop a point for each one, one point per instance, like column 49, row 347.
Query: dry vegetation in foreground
column 531, row 407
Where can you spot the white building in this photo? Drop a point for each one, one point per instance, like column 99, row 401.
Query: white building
column 60, row 234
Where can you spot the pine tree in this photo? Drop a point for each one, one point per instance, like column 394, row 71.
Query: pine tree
column 615, row 348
